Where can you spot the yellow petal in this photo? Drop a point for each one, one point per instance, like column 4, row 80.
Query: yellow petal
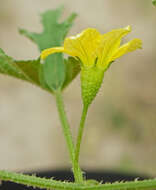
column 49, row 51
column 128, row 47
column 83, row 45
column 109, row 44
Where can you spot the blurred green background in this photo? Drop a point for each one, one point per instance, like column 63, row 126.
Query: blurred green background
column 120, row 131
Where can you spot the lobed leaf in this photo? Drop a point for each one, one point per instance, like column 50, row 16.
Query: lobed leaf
column 54, row 74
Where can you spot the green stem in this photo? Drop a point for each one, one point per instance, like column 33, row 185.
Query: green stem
column 80, row 134
column 68, row 136
column 58, row 185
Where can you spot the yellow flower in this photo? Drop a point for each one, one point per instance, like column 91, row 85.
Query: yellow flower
column 96, row 52
column 92, row 47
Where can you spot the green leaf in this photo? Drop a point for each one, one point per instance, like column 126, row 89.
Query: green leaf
column 72, row 70
column 42, row 79
column 30, row 68
column 24, row 70
column 53, row 34
column 54, row 71
column 10, row 67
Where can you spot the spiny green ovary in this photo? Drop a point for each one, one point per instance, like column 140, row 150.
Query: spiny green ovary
column 91, row 80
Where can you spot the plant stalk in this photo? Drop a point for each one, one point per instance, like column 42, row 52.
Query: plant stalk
column 68, row 136
column 58, row 185
column 80, row 133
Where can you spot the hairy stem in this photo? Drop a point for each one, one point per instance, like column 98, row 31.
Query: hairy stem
column 58, row 185
column 68, row 136
column 80, row 134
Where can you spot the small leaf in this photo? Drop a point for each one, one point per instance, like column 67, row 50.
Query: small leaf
column 53, row 34
column 72, row 70
column 91, row 182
